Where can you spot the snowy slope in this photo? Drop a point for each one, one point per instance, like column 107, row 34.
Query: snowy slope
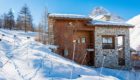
column 22, row 58
column 26, row 59
column 135, row 32
column 99, row 12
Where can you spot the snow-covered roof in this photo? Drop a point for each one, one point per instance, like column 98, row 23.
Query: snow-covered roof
column 91, row 21
column 72, row 16
column 108, row 23
column 97, row 17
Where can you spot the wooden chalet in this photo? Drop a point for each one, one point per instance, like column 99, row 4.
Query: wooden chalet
column 90, row 42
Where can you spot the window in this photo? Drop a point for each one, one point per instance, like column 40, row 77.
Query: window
column 78, row 41
column 108, row 42
column 66, row 52
column 83, row 40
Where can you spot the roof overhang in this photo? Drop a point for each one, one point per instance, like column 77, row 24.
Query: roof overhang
column 69, row 17
column 90, row 21
column 109, row 24
column 99, row 25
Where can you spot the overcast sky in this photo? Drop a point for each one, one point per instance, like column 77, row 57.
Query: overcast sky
column 124, row 8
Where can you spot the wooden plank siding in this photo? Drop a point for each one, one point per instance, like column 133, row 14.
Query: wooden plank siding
column 65, row 31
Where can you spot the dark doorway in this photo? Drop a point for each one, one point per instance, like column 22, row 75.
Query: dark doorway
column 90, row 56
column 121, row 52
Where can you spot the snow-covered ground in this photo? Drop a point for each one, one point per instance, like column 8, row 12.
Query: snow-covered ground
column 22, row 58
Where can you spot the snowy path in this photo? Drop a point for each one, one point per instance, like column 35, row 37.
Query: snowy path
column 26, row 59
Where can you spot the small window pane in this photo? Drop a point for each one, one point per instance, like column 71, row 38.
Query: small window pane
column 78, row 41
column 120, row 40
column 104, row 40
column 66, row 52
column 110, row 40
column 83, row 40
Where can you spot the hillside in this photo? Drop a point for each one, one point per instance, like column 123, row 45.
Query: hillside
column 22, row 58
column 135, row 32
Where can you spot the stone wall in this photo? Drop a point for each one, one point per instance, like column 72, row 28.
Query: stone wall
column 111, row 59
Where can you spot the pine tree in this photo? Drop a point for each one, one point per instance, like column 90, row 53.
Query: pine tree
column 18, row 23
column 24, row 19
column 0, row 22
column 10, row 20
column 5, row 21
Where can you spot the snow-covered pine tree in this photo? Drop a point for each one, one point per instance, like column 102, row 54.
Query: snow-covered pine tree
column 25, row 19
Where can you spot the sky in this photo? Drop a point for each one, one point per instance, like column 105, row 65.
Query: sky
column 124, row 8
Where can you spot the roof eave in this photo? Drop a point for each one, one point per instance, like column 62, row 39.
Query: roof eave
column 110, row 25
column 68, row 18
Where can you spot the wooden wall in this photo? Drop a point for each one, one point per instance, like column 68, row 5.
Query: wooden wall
column 65, row 31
